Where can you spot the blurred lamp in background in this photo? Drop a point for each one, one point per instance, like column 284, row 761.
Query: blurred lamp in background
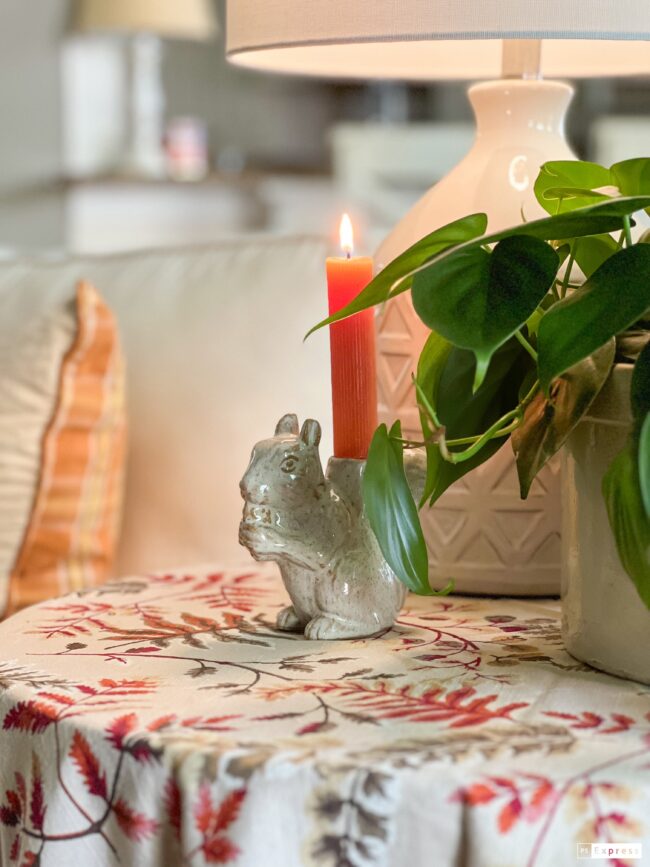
column 147, row 22
column 520, row 118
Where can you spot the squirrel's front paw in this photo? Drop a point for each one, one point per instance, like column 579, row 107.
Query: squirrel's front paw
column 327, row 628
column 288, row 621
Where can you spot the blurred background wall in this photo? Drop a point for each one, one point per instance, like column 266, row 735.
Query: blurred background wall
column 282, row 154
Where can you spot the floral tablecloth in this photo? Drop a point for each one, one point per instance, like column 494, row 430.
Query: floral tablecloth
column 164, row 721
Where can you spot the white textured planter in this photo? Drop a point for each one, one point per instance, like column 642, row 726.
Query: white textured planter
column 604, row 622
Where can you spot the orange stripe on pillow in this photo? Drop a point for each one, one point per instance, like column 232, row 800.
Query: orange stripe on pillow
column 72, row 532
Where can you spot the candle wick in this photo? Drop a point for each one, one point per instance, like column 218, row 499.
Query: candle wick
column 348, row 254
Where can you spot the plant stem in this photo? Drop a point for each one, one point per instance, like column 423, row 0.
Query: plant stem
column 511, row 419
column 503, row 432
column 529, row 349
column 425, row 402
column 567, row 274
column 628, row 231
column 459, row 457
column 410, row 444
column 460, row 441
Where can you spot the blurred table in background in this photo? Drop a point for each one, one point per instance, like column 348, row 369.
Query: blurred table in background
column 378, row 172
column 115, row 214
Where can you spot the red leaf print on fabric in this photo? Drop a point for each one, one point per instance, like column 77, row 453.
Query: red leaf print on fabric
column 622, row 724
column 29, row 716
column 310, row 728
column 478, row 794
column 118, row 731
column 11, row 812
column 519, row 800
column 589, row 720
column 14, row 852
column 58, row 699
column 228, row 810
column 211, row 822
column 161, row 723
column 21, row 787
column 120, row 728
column 509, row 815
column 88, row 766
column 87, row 690
column 203, row 810
column 136, row 826
column 173, row 805
column 128, row 687
column 37, row 801
column 142, row 751
column 538, row 802
column 460, row 707
column 585, row 720
column 219, row 850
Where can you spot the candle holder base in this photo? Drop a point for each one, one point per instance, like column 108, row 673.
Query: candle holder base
column 313, row 524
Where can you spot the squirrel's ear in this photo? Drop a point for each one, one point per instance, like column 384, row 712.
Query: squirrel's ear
column 310, row 433
column 288, row 424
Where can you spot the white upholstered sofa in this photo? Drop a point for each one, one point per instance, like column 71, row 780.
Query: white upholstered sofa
column 213, row 338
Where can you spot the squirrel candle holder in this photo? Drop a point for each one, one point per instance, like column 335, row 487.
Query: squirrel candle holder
column 314, row 526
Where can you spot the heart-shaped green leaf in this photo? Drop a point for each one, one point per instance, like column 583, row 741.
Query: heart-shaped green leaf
column 640, row 388
column 605, row 216
column 628, row 519
column 640, row 400
column 564, row 185
column 431, row 366
column 468, row 232
column 591, row 252
column 632, row 177
column 384, row 284
column 465, row 413
column 548, row 421
column 477, row 299
column 613, row 298
column 392, row 512
column 643, row 458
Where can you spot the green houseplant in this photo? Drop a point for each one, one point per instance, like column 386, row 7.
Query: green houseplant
column 526, row 327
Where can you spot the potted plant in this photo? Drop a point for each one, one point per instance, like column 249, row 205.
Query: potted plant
column 539, row 335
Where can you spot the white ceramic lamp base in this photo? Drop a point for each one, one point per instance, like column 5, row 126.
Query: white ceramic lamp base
column 480, row 533
column 519, row 126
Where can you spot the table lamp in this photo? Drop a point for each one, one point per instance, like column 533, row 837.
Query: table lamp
column 520, row 118
column 147, row 22
column 480, row 533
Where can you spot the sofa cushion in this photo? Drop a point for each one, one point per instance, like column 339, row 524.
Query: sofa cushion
column 213, row 343
column 62, row 426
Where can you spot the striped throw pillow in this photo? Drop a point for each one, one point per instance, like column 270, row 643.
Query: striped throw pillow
column 62, row 451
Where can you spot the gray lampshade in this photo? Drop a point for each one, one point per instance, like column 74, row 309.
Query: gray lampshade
column 180, row 19
column 437, row 39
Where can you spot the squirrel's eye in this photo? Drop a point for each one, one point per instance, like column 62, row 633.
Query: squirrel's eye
column 289, row 464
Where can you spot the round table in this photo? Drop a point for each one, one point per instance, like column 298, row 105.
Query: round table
column 164, row 721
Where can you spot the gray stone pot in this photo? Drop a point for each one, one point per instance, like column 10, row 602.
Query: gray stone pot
column 604, row 622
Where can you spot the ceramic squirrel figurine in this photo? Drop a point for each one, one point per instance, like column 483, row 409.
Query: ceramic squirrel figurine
column 314, row 526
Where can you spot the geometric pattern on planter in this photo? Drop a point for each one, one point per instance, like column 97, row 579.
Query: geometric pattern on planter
column 480, row 533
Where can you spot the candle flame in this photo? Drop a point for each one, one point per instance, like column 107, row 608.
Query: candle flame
column 347, row 235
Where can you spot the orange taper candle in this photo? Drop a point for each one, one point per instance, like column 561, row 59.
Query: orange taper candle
column 352, row 349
